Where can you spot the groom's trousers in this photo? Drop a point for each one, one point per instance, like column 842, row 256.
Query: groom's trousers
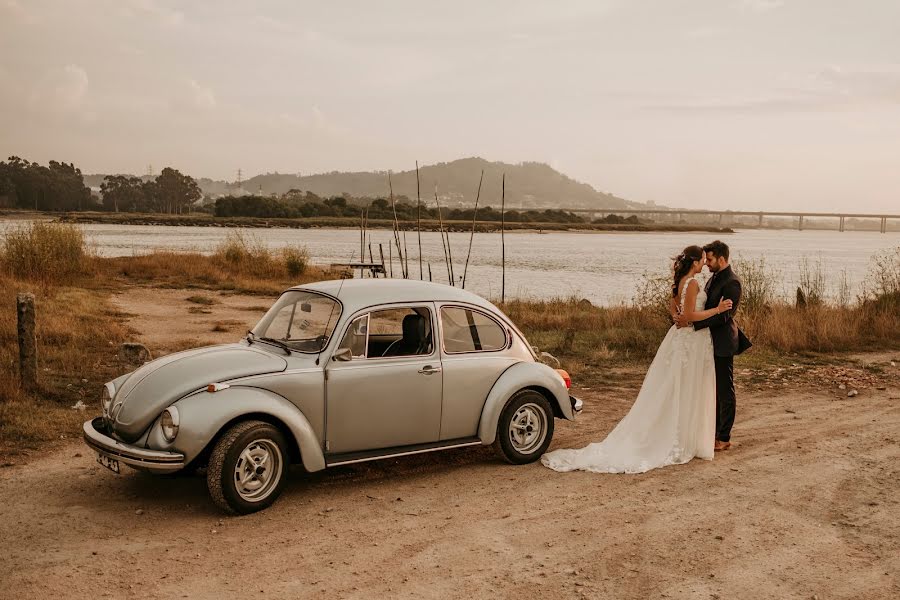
column 725, row 401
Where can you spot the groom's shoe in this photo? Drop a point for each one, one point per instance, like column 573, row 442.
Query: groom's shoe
column 721, row 446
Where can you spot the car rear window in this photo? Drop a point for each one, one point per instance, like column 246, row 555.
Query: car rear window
column 467, row 330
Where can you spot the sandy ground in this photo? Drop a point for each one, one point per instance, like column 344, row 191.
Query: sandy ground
column 805, row 505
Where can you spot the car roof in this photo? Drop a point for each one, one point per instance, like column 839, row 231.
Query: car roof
column 356, row 294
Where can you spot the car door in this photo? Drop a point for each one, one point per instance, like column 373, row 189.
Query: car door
column 474, row 355
column 388, row 394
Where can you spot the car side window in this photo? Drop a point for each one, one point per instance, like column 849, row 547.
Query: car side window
column 391, row 332
column 467, row 330
column 356, row 337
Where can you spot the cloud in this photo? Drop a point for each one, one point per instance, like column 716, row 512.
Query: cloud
column 62, row 90
column 168, row 16
column 201, row 97
column 833, row 88
column 14, row 11
column 760, row 6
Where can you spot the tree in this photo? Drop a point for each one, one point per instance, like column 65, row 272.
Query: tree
column 175, row 192
column 123, row 193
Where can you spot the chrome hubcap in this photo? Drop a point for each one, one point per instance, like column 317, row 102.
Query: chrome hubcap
column 258, row 470
column 528, row 428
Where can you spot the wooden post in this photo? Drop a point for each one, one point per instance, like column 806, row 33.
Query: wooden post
column 27, row 341
column 472, row 236
column 443, row 238
column 419, row 219
column 503, row 239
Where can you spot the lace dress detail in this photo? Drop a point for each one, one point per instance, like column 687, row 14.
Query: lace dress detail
column 673, row 418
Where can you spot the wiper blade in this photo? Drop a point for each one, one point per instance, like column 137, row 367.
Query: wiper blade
column 274, row 342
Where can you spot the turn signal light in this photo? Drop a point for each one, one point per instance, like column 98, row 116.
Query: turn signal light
column 217, row 387
column 565, row 377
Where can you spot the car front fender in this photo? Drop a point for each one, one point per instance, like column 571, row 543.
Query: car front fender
column 203, row 415
column 517, row 377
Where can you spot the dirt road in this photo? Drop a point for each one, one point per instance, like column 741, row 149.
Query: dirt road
column 806, row 505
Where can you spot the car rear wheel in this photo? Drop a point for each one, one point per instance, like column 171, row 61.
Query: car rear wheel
column 247, row 468
column 525, row 427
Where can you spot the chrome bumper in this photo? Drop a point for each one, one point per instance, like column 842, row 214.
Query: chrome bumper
column 157, row 461
column 577, row 405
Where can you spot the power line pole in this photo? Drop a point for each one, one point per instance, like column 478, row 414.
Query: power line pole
column 239, row 184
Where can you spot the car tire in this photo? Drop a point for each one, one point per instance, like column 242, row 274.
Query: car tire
column 525, row 428
column 236, row 486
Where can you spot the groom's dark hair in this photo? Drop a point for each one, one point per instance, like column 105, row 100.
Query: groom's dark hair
column 719, row 249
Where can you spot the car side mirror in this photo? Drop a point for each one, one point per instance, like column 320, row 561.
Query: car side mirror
column 342, row 355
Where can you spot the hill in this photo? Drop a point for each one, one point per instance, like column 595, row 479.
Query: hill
column 528, row 185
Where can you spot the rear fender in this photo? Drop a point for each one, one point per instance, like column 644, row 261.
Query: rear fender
column 520, row 376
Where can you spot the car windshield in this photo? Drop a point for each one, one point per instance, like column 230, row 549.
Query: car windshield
column 300, row 320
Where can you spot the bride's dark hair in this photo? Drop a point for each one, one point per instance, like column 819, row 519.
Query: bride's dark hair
column 683, row 263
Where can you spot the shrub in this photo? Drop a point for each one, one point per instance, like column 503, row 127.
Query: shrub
column 47, row 253
column 296, row 260
column 758, row 285
column 245, row 253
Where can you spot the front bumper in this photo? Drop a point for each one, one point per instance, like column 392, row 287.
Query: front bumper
column 156, row 461
column 577, row 405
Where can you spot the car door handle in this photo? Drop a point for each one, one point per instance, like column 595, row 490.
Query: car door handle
column 429, row 370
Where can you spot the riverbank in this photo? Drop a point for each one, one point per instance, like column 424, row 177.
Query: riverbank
column 87, row 306
column 205, row 220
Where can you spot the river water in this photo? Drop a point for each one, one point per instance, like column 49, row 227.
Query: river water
column 606, row 268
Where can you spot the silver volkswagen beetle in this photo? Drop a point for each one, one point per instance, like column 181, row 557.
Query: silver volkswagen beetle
column 336, row 372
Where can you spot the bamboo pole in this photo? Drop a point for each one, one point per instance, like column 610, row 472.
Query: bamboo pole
column 472, row 236
column 396, row 226
column 391, row 259
column 419, row 219
column 381, row 252
column 443, row 240
column 362, row 241
column 406, row 257
column 429, row 271
column 503, row 239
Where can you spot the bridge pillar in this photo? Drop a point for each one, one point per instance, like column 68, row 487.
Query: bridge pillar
column 760, row 220
column 883, row 224
column 801, row 223
column 841, row 227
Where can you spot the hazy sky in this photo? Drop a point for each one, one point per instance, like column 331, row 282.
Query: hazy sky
column 755, row 104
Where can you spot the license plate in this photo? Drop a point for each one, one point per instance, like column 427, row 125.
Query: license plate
column 110, row 463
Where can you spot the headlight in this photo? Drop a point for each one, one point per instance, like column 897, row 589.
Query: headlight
column 169, row 423
column 106, row 397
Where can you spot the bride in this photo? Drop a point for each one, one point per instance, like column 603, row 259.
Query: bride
column 673, row 419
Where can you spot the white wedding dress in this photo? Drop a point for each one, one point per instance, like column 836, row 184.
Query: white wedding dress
column 673, row 419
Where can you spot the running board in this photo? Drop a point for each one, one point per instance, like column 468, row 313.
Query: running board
column 348, row 458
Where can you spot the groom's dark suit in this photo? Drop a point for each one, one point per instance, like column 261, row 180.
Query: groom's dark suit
column 728, row 340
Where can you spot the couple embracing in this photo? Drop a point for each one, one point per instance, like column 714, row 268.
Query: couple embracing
column 686, row 405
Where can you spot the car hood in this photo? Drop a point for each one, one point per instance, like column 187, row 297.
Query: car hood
column 159, row 383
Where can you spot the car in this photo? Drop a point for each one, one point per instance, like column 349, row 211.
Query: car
column 335, row 373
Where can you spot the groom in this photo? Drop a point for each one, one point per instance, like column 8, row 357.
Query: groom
column 728, row 340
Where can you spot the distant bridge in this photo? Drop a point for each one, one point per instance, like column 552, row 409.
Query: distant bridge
column 678, row 215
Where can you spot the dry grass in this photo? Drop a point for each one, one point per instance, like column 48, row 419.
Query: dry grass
column 590, row 336
column 78, row 335
column 242, row 263
column 45, row 253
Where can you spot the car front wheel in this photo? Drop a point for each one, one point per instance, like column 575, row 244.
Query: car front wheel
column 247, row 468
column 525, row 428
